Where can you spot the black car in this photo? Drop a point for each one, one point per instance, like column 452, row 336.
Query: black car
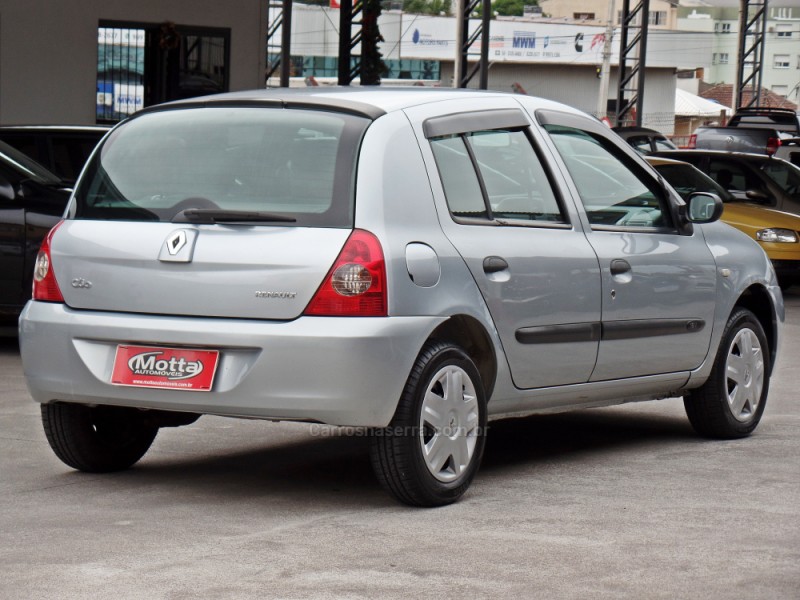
column 758, row 178
column 61, row 149
column 645, row 140
column 32, row 200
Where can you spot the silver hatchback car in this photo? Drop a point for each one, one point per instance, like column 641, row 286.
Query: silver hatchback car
column 413, row 262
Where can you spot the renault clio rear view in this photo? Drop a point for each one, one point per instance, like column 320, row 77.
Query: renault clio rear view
column 413, row 262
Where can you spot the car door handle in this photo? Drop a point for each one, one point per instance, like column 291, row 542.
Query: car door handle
column 620, row 267
column 494, row 264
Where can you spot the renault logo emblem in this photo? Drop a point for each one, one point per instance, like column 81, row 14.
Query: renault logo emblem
column 176, row 242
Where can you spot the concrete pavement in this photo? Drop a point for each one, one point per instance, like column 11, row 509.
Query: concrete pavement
column 621, row 502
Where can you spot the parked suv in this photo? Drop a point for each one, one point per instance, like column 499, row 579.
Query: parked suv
column 407, row 261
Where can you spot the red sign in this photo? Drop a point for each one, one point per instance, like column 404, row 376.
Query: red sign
column 165, row 368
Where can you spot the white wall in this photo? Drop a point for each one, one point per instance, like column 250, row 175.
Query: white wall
column 48, row 50
column 579, row 86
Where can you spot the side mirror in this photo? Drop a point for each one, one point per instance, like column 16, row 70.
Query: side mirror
column 757, row 196
column 704, row 207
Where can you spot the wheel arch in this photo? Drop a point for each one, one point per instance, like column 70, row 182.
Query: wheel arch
column 469, row 333
column 758, row 301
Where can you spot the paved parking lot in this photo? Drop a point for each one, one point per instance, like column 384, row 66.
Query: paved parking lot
column 621, row 502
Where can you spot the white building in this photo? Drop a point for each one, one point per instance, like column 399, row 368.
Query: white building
column 662, row 13
column 781, row 61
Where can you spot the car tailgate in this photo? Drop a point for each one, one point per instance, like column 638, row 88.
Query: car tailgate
column 220, row 270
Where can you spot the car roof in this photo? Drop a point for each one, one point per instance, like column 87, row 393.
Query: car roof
column 363, row 101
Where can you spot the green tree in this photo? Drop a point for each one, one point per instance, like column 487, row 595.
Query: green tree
column 427, row 7
column 512, row 8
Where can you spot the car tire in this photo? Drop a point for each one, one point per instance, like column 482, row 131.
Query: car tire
column 97, row 439
column 730, row 404
column 431, row 450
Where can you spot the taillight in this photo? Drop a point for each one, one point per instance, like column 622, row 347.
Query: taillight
column 356, row 284
column 45, row 286
column 773, row 144
column 692, row 142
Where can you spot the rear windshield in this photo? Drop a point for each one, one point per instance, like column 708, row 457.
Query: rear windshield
column 293, row 163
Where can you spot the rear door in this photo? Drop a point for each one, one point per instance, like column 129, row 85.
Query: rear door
column 503, row 210
column 658, row 284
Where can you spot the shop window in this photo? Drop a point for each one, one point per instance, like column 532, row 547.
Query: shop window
column 142, row 64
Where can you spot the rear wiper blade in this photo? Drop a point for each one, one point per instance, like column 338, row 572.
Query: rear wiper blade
column 216, row 215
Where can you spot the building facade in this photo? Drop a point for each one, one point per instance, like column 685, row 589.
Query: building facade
column 663, row 14
column 781, row 61
column 87, row 61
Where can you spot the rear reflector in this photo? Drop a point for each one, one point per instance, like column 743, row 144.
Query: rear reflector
column 45, row 286
column 356, row 284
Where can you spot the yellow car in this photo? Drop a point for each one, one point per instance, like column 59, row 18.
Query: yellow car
column 777, row 232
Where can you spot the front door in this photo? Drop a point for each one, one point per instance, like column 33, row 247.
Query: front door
column 658, row 283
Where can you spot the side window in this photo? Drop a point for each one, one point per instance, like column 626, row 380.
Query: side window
column 612, row 191
column 495, row 175
column 461, row 186
column 785, row 175
column 731, row 176
column 664, row 144
column 640, row 144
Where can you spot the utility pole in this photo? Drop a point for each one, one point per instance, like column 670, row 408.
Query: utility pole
column 605, row 69
column 461, row 35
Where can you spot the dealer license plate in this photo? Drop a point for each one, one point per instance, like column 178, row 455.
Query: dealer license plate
column 165, row 368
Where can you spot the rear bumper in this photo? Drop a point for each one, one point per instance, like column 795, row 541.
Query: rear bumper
column 341, row 371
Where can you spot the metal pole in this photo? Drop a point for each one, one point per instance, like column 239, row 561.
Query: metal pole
column 345, row 27
column 736, row 96
column 461, row 36
column 760, row 52
column 623, row 44
column 642, row 56
column 286, row 43
column 487, row 17
column 605, row 70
